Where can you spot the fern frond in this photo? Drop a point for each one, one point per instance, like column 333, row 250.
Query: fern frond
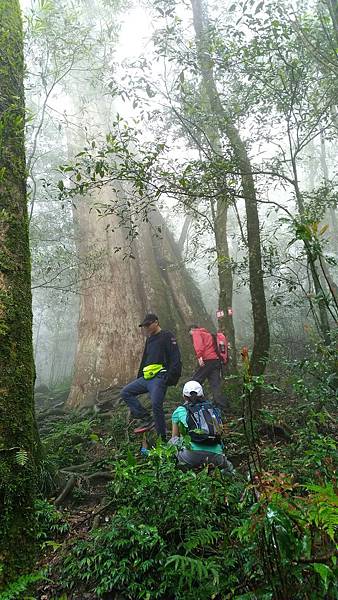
column 21, row 457
column 202, row 538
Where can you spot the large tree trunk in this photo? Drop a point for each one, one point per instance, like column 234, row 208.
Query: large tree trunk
column 17, row 425
column 260, row 321
column 114, row 301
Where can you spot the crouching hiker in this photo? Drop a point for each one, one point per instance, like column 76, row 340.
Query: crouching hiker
column 201, row 421
column 160, row 367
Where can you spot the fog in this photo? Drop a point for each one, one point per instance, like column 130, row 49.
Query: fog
column 178, row 150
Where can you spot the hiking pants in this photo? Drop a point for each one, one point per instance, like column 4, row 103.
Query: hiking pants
column 212, row 372
column 200, row 458
column 156, row 388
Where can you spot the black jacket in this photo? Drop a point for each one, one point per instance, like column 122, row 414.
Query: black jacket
column 162, row 348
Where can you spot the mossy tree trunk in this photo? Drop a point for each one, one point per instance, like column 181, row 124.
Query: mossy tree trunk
column 17, row 424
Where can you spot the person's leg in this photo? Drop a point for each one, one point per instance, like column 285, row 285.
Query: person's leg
column 157, row 389
column 130, row 395
column 189, row 458
column 199, row 458
column 228, row 467
column 201, row 374
column 215, row 380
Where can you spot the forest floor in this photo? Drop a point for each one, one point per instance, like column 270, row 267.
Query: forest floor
column 92, row 458
column 96, row 439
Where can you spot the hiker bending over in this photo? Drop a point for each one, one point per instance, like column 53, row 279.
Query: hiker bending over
column 212, row 353
column 201, row 421
column 160, row 367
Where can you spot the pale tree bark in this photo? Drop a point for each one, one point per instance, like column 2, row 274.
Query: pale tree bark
column 113, row 302
column 184, row 233
column 261, row 345
column 18, row 438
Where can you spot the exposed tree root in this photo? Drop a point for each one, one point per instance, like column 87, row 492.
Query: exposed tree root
column 66, row 490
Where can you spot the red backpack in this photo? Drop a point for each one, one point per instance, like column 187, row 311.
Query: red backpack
column 221, row 346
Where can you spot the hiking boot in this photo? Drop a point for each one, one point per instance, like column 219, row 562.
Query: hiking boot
column 145, row 425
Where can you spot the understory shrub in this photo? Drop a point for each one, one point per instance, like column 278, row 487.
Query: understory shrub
column 67, row 444
column 51, row 524
column 176, row 535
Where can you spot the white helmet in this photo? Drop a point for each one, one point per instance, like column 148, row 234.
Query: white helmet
column 193, row 388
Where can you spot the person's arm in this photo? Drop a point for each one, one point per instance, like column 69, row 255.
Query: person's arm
column 175, row 432
column 197, row 341
column 174, row 368
column 140, row 370
column 176, row 437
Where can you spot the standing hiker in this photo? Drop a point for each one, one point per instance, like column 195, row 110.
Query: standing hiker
column 160, row 367
column 212, row 353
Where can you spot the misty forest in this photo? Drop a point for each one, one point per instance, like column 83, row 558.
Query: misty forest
column 169, row 236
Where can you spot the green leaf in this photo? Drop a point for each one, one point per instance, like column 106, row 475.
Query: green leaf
column 323, row 571
column 131, row 460
column 21, row 457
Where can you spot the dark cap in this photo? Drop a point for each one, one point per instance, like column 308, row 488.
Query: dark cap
column 148, row 319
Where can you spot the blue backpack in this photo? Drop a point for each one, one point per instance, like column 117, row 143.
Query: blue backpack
column 204, row 423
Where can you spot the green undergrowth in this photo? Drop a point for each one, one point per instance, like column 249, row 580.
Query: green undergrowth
column 69, row 442
column 266, row 533
column 170, row 535
column 182, row 535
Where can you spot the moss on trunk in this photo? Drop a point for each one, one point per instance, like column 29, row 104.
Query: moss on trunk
column 17, row 426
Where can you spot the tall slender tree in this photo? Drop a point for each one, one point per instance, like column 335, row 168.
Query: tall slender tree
column 227, row 126
column 17, row 430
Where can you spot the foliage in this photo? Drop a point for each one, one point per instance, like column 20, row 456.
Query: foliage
column 151, row 548
column 19, row 586
column 50, row 522
column 69, row 441
column 176, row 535
column 289, row 533
column 46, row 475
column 318, row 379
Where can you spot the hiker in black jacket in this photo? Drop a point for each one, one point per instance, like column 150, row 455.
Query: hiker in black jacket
column 160, row 367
